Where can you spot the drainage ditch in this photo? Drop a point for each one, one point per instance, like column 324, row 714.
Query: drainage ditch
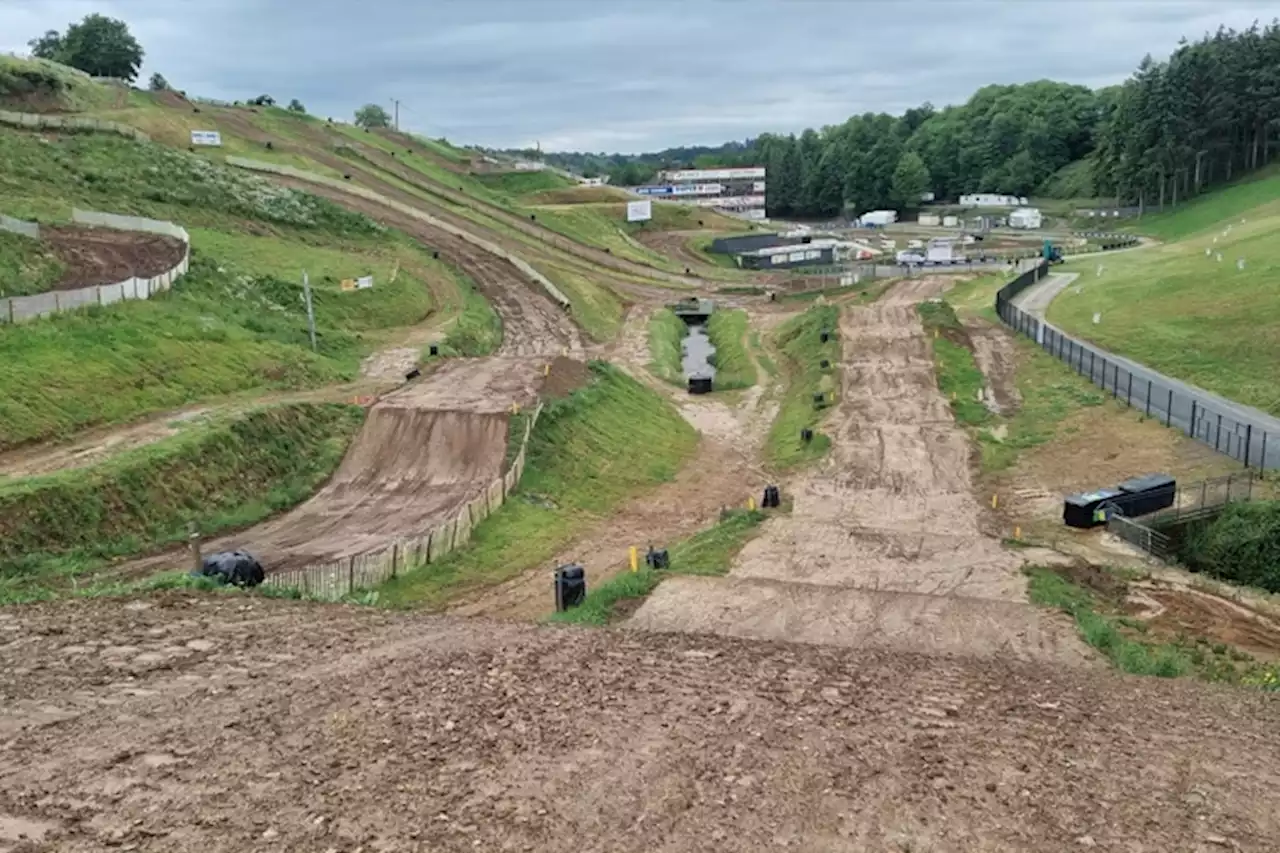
column 697, row 354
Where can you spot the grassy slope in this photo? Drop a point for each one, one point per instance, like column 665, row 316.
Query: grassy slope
column 666, row 331
column 223, row 474
column 708, row 552
column 478, row 330
column 800, row 344
column 588, row 454
column 26, row 266
column 1188, row 315
column 734, row 367
column 959, row 378
column 24, row 81
column 597, row 309
column 236, row 322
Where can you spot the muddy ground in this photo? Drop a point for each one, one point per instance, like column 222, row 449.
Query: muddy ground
column 885, row 545
column 104, row 256
column 228, row 724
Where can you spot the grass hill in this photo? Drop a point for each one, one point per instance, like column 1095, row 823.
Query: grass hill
column 234, row 323
column 1183, row 311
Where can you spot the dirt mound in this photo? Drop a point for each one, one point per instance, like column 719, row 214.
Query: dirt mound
column 105, row 256
column 567, row 375
column 232, row 723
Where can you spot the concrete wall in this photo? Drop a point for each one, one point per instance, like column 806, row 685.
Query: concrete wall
column 34, row 121
column 19, row 226
column 18, row 309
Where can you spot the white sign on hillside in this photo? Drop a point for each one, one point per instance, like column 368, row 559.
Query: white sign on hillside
column 639, row 211
column 206, row 137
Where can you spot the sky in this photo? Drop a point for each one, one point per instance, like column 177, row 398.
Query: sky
column 631, row 76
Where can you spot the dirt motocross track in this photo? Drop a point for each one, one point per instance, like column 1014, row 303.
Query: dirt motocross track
column 884, row 546
column 104, row 256
column 188, row 724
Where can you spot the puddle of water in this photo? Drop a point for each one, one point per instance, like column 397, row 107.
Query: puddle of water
column 696, row 350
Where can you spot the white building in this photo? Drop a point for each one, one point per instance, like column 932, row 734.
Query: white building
column 591, row 182
column 1025, row 217
column 739, row 191
column 990, row 200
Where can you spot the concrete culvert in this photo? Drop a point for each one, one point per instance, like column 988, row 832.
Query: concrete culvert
column 238, row 568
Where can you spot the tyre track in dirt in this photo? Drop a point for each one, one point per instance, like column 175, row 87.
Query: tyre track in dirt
column 106, row 256
column 189, row 723
column 435, row 444
column 885, row 545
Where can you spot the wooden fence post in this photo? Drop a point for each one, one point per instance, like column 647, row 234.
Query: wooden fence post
column 395, row 552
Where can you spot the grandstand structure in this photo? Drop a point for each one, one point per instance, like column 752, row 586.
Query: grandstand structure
column 737, row 191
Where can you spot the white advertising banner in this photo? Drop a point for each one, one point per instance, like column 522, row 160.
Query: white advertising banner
column 639, row 211
column 749, row 173
column 206, row 137
column 731, row 201
column 364, row 282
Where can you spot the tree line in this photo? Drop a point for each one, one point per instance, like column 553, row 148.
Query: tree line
column 1204, row 116
column 1208, row 113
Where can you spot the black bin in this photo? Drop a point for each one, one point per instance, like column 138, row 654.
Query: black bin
column 1081, row 510
column 1146, row 494
column 657, row 558
column 699, row 384
column 571, row 587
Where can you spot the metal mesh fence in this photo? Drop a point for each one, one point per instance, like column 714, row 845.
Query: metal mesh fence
column 1231, row 432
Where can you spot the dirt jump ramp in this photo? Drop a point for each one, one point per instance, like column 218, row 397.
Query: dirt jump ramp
column 884, row 547
column 424, row 451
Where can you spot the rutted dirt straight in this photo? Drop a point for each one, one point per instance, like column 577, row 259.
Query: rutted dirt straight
column 884, row 546
column 211, row 724
column 105, row 256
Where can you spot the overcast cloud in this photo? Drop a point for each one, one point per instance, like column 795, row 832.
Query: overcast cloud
column 619, row 75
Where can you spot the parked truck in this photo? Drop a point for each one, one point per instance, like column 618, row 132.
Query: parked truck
column 1051, row 253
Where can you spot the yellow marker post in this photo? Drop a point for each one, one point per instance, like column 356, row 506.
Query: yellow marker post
column 751, row 504
column 995, row 501
column 635, row 558
column 546, row 370
column 515, row 408
column 564, row 351
column 1017, row 533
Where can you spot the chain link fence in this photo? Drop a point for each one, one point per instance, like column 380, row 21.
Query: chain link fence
column 1249, row 437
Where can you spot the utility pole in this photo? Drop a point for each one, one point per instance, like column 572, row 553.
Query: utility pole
column 396, row 101
column 311, row 314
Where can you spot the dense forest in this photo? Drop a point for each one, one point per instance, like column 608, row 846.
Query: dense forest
column 1208, row 113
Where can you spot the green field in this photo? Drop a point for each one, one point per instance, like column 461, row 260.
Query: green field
column 26, row 266
column 666, row 334
column 235, row 322
column 799, row 343
column 588, row 454
column 727, row 330
column 1186, row 314
column 222, row 474
column 959, row 378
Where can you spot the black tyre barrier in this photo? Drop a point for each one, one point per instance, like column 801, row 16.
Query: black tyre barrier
column 819, row 400
column 238, row 568
column 657, row 558
column 700, row 385
column 806, row 435
column 570, row 587
column 772, row 498
column 346, row 177
column 825, row 364
column 825, row 336
column 434, row 350
column 412, row 375
column 533, row 217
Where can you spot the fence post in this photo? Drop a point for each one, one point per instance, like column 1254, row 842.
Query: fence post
column 1217, row 435
column 1262, row 464
column 1168, row 414
column 1191, row 427
column 1148, row 398
column 1248, row 443
column 351, row 574
column 1092, row 358
column 1115, row 383
column 1128, row 397
column 395, row 553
